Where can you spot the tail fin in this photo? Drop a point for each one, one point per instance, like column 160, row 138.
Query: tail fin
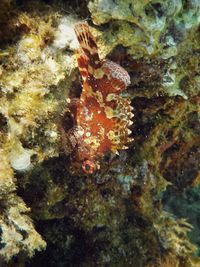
column 87, row 43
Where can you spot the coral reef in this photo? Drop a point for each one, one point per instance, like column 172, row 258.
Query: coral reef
column 31, row 69
column 141, row 207
column 17, row 231
column 151, row 30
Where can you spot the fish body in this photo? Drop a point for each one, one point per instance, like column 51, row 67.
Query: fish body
column 102, row 115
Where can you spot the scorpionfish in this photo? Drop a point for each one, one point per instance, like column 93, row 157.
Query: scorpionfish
column 102, row 117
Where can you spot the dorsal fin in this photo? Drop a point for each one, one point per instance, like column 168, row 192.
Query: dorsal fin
column 82, row 61
column 88, row 44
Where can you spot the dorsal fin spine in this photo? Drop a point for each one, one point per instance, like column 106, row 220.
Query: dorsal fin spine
column 87, row 44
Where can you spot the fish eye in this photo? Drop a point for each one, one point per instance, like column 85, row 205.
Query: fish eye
column 88, row 166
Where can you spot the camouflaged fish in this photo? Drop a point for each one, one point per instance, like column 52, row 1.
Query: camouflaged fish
column 101, row 116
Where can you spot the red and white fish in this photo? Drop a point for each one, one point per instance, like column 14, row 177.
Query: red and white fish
column 102, row 117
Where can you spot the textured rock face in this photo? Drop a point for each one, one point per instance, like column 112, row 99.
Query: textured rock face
column 17, row 230
column 29, row 68
column 151, row 29
column 114, row 217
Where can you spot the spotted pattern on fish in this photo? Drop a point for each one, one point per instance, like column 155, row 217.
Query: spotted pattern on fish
column 102, row 114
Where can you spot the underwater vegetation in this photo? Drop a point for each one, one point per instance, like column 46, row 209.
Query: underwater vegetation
column 140, row 208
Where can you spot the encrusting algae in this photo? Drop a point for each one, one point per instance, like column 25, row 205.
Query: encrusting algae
column 120, row 214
